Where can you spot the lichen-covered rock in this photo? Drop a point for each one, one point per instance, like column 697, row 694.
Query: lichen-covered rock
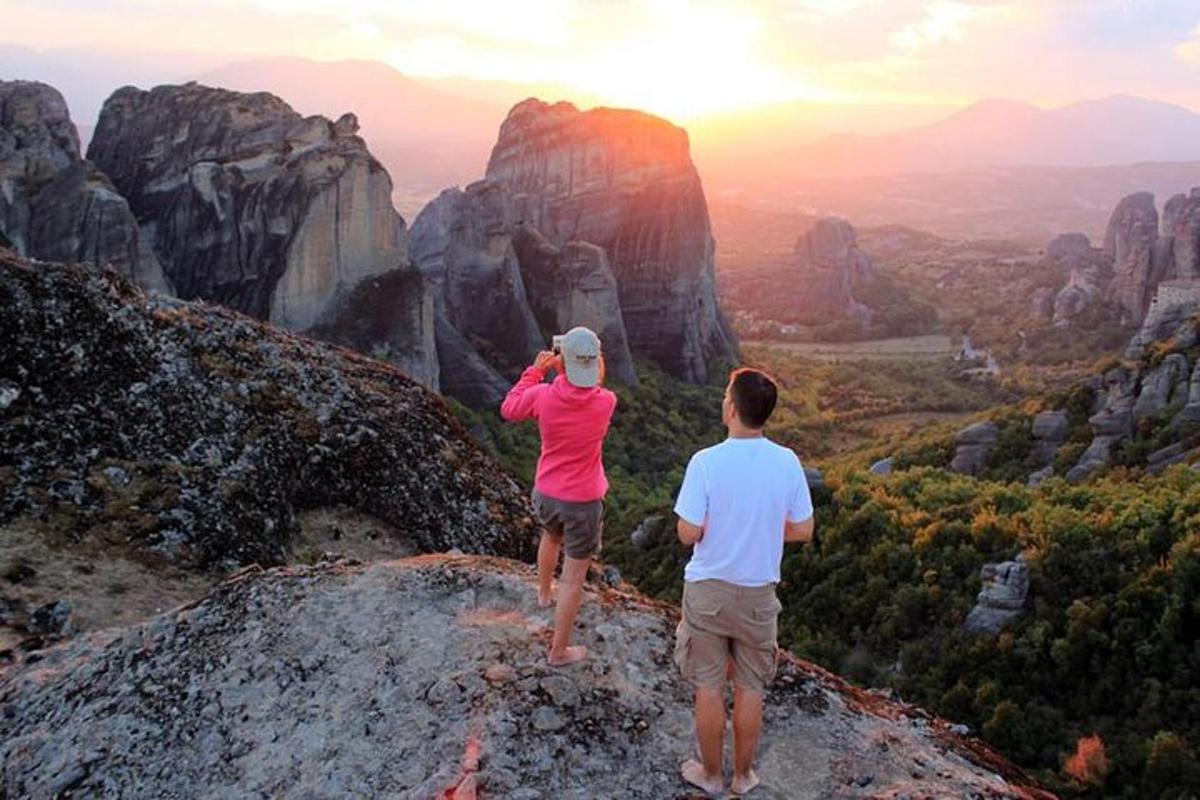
column 624, row 181
column 574, row 285
column 427, row 678
column 54, row 205
column 1002, row 596
column 973, row 445
column 221, row 428
column 250, row 205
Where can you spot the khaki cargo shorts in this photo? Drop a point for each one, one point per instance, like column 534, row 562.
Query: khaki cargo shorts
column 578, row 525
column 723, row 622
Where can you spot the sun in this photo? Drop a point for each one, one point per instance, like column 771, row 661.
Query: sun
column 687, row 65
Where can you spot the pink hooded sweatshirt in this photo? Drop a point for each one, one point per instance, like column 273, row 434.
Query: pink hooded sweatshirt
column 572, row 423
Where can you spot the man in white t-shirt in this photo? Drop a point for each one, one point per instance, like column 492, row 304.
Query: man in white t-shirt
column 740, row 501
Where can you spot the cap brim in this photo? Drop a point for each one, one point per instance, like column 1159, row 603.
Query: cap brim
column 584, row 376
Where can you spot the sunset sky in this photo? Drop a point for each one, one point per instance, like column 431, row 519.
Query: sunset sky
column 679, row 58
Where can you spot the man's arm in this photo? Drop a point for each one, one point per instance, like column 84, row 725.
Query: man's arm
column 689, row 534
column 798, row 531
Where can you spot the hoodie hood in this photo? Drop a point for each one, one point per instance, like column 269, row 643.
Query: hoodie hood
column 570, row 392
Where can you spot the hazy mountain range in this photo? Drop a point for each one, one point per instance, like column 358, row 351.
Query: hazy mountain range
column 994, row 168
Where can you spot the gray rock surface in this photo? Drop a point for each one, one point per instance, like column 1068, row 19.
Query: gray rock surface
column 1181, row 230
column 651, row 531
column 827, row 264
column 1087, row 272
column 1112, row 422
column 574, row 285
column 1002, row 596
column 54, row 205
column 1131, row 241
column 883, row 466
column 1190, row 413
column 427, row 678
column 1172, row 316
column 1162, row 386
column 462, row 243
column 219, row 429
column 1049, row 430
column 625, row 181
column 973, row 445
column 815, row 478
column 250, row 205
column 1040, row 476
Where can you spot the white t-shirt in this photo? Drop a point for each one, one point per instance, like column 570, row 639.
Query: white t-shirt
column 742, row 491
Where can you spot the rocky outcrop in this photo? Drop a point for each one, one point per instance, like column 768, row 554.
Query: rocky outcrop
column 1161, row 387
column 1002, row 597
column 252, row 206
column 1087, row 272
column 1049, row 431
column 1181, row 236
column 462, row 244
column 54, row 205
column 1174, row 315
column 624, row 181
column 574, row 285
column 1131, row 242
column 198, row 433
column 427, row 678
column 1112, row 422
column 973, row 445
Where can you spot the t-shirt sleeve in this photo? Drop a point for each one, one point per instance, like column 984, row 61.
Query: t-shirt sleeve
column 692, row 503
column 801, row 507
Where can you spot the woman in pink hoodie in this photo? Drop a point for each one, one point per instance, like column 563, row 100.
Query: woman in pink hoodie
column 573, row 413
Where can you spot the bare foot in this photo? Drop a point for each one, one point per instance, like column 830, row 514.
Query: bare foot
column 744, row 783
column 569, row 655
column 546, row 598
column 693, row 772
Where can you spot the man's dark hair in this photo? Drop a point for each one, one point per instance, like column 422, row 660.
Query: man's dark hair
column 754, row 394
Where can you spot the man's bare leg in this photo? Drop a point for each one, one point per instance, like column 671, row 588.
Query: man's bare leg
column 570, row 594
column 747, row 728
column 548, row 549
column 709, row 772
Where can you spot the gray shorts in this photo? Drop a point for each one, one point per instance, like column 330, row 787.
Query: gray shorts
column 578, row 525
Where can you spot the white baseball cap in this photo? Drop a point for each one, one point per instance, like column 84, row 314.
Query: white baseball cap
column 580, row 350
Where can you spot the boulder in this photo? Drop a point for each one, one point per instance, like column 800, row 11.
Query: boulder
column 1190, row 413
column 54, row 205
column 427, row 677
column 1038, row 477
column 883, row 466
column 624, row 180
column 974, row 444
column 1049, row 431
column 815, row 479
column 1002, row 596
column 1086, row 271
column 650, row 531
column 248, row 204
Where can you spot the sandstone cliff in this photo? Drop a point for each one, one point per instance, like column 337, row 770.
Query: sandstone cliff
column 186, row 432
column 250, row 205
column 1131, row 241
column 624, row 181
column 427, row 678
column 54, row 205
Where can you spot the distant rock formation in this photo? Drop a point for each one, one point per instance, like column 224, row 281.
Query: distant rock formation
column 1087, row 272
column 427, row 678
column 826, row 267
column 1131, row 241
column 54, row 205
column 198, row 433
column 252, row 206
column 624, row 181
